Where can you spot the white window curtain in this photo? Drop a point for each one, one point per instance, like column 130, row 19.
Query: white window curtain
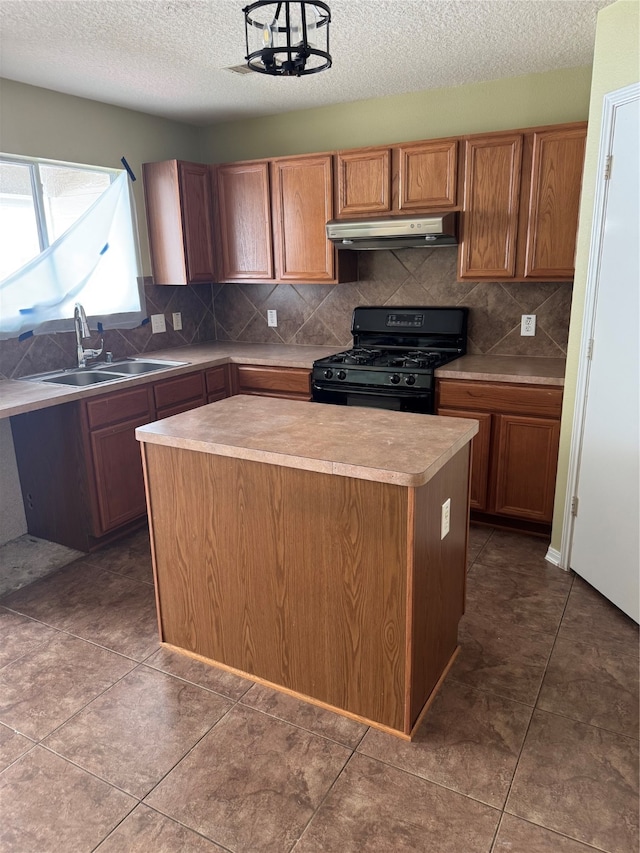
column 95, row 262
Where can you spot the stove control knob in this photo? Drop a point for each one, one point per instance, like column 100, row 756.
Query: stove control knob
column 342, row 374
column 410, row 380
column 394, row 379
column 328, row 373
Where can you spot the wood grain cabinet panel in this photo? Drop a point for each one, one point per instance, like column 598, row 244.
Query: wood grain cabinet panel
column 480, row 456
column 556, row 179
column 427, row 177
column 364, row 181
column 186, row 391
column 491, row 199
column 244, row 221
column 290, row 383
column 179, row 219
column 302, row 205
column 117, row 474
column 217, row 383
column 515, row 452
column 520, row 204
column 526, row 454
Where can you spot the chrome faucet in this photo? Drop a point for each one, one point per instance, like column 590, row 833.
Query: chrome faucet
column 82, row 331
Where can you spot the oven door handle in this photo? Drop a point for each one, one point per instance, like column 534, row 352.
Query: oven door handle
column 376, row 391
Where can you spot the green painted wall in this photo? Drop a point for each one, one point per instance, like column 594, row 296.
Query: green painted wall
column 41, row 123
column 616, row 64
column 535, row 99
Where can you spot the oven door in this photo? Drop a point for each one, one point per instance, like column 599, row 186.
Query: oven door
column 379, row 398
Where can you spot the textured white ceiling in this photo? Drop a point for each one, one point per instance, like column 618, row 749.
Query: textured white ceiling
column 167, row 57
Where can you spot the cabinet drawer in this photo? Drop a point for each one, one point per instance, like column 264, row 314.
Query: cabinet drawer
column 500, row 397
column 216, row 379
column 273, row 381
column 119, row 406
column 183, row 389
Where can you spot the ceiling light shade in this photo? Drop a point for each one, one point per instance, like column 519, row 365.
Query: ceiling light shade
column 287, row 39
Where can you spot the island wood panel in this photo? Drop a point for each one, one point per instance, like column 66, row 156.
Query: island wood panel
column 294, row 577
column 438, row 579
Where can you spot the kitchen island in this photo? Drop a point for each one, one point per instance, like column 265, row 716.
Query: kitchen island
column 302, row 545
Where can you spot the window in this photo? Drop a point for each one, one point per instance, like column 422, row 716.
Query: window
column 67, row 235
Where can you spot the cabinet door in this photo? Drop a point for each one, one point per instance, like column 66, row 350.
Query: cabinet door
column 428, row 173
column 179, row 394
column 117, row 466
column 179, row 220
column 364, row 181
column 526, row 455
column 492, row 173
column 244, row 221
column 197, row 223
column 556, row 178
column 217, row 383
column 302, row 204
column 480, row 449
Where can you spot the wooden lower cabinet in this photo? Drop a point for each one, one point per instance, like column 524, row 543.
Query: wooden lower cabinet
column 515, row 454
column 80, row 469
column 113, row 465
column 79, row 463
column 179, row 394
column 217, row 383
column 290, row 383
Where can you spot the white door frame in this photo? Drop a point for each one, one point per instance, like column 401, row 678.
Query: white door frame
column 611, row 102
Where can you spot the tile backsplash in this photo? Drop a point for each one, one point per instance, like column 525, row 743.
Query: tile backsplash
column 321, row 314
column 53, row 352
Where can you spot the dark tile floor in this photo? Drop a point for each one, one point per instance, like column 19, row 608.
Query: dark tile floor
column 110, row 743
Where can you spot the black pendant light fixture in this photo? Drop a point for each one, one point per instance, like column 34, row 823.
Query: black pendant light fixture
column 287, row 39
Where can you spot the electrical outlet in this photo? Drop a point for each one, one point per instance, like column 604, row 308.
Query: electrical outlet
column 158, row 323
column 177, row 321
column 528, row 325
column 445, row 519
column 272, row 318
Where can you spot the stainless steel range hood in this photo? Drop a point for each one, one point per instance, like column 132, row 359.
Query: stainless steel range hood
column 394, row 232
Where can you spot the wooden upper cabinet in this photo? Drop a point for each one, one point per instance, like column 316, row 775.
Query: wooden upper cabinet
column 490, row 206
column 427, row 175
column 364, row 181
column 414, row 178
column 302, row 203
column 520, row 205
column 244, row 221
column 556, row 178
column 179, row 221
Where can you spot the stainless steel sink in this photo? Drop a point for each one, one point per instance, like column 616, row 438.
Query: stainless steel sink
column 137, row 366
column 97, row 373
column 79, row 378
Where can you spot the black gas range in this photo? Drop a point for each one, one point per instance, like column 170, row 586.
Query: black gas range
column 395, row 353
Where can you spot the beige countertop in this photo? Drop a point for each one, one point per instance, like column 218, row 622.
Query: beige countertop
column 505, row 368
column 18, row 396
column 388, row 447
